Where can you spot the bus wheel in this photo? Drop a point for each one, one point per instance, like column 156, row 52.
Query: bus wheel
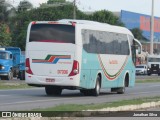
column 53, row 90
column 96, row 90
column 86, row 92
column 82, row 91
column 121, row 90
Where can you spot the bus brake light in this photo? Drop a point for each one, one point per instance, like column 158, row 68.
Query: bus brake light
column 75, row 68
column 28, row 68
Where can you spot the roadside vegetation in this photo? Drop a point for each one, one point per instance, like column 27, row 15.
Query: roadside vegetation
column 13, row 85
column 76, row 107
column 148, row 81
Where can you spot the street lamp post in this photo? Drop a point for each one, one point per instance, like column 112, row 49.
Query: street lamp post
column 152, row 28
column 74, row 11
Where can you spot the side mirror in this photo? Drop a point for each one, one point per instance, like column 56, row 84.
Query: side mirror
column 139, row 45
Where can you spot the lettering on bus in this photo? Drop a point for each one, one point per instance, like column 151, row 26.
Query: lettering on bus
column 113, row 62
column 62, row 72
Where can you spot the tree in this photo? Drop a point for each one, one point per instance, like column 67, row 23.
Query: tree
column 55, row 1
column 4, row 10
column 106, row 17
column 137, row 33
column 24, row 6
column 5, row 36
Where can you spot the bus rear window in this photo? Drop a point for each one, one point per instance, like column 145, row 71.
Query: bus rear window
column 52, row 33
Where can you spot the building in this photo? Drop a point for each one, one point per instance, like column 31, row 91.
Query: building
column 142, row 21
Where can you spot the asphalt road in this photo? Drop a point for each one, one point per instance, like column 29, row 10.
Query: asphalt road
column 27, row 99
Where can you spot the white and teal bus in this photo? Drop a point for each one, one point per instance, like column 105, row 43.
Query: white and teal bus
column 79, row 54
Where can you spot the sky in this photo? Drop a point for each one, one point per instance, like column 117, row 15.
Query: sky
column 138, row 6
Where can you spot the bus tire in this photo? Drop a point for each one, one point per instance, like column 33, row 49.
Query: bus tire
column 96, row 90
column 53, row 90
column 121, row 90
column 86, row 92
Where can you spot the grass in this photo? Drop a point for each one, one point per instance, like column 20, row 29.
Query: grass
column 147, row 81
column 13, row 85
column 76, row 107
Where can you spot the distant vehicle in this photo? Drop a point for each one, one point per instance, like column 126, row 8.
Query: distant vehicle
column 79, row 54
column 141, row 69
column 12, row 63
column 153, row 63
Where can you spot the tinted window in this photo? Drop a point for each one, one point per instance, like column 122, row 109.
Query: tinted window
column 52, row 33
column 102, row 42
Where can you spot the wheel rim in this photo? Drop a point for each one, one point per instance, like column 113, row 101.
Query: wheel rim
column 98, row 88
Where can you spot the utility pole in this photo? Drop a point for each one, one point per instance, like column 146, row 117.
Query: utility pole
column 152, row 28
column 74, row 11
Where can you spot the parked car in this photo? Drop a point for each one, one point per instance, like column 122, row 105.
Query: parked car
column 141, row 69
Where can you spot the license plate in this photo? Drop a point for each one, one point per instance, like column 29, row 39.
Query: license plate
column 50, row 80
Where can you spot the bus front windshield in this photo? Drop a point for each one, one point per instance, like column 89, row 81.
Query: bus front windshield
column 58, row 33
column 4, row 55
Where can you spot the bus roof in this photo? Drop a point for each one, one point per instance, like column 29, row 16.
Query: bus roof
column 113, row 28
column 94, row 23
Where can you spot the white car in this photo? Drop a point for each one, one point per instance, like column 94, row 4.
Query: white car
column 141, row 69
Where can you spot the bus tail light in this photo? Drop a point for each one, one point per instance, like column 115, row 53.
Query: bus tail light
column 75, row 68
column 28, row 68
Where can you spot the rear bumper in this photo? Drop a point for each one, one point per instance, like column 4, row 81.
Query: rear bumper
column 55, row 81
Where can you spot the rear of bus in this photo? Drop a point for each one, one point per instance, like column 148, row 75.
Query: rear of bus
column 51, row 58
